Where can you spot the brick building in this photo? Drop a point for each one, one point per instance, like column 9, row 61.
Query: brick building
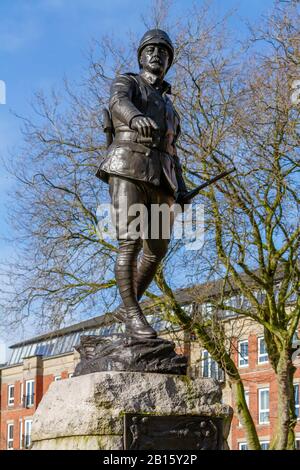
column 35, row 363
column 260, row 385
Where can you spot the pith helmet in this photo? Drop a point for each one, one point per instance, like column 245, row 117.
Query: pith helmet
column 157, row 36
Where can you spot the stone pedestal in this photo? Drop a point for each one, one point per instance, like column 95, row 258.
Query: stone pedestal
column 131, row 410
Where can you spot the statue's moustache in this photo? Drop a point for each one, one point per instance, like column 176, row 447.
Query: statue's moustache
column 155, row 61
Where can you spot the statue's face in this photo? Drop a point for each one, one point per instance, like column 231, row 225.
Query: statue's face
column 155, row 59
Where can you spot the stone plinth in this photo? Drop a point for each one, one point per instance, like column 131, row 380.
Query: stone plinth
column 87, row 412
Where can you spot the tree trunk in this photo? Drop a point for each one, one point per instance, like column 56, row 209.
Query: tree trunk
column 283, row 438
column 293, row 417
column 244, row 415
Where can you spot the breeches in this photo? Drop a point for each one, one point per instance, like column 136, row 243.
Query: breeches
column 140, row 224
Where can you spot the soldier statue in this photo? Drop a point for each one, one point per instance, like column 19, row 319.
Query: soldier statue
column 142, row 164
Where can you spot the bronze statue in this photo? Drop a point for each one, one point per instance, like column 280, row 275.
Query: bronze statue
column 142, row 166
column 142, row 128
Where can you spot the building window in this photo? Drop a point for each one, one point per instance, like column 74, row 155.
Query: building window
column 10, row 436
column 264, row 445
column 207, row 310
column 27, row 436
column 234, row 302
column 21, row 433
column 11, row 395
column 21, row 392
column 297, row 444
column 57, row 378
column 243, row 354
column 263, row 406
column 262, row 351
column 243, row 446
column 296, row 397
column 246, row 393
column 29, row 394
column 210, row 368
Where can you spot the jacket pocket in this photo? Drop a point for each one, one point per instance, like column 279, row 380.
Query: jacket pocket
column 120, row 158
column 127, row 161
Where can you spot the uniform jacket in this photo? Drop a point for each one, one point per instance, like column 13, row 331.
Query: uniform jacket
column 131, row 96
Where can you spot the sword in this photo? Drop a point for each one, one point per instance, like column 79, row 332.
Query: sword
column 191, row 194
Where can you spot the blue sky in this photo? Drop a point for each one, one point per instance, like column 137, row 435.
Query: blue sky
column 41, row 41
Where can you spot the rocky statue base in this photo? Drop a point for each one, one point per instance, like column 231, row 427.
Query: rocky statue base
column 126, row 353
column 131, row 411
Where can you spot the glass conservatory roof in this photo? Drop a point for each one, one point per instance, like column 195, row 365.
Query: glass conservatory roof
column 62, row 344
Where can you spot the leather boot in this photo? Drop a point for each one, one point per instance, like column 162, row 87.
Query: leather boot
column 136, row 324
column 146, row 271
column 142, row 279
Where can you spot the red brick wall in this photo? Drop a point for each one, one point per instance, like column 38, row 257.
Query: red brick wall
column 257, row 376
column 17, row 411
column 12, row 413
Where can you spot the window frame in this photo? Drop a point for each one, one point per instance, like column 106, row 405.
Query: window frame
column 10, row 400
column 21, row 432
column 30, row 387
column 26, row 422
column 264, row 443
column 21, row 392
column 211, row 364
column 264, row 410
column 10, row 440
column 243, row 444
column 259, row 354
column 207, row 309
column 240, row 357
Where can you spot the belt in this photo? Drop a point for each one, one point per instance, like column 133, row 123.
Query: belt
column 133, row 136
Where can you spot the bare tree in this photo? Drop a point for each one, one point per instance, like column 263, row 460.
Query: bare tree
column 249, row 120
